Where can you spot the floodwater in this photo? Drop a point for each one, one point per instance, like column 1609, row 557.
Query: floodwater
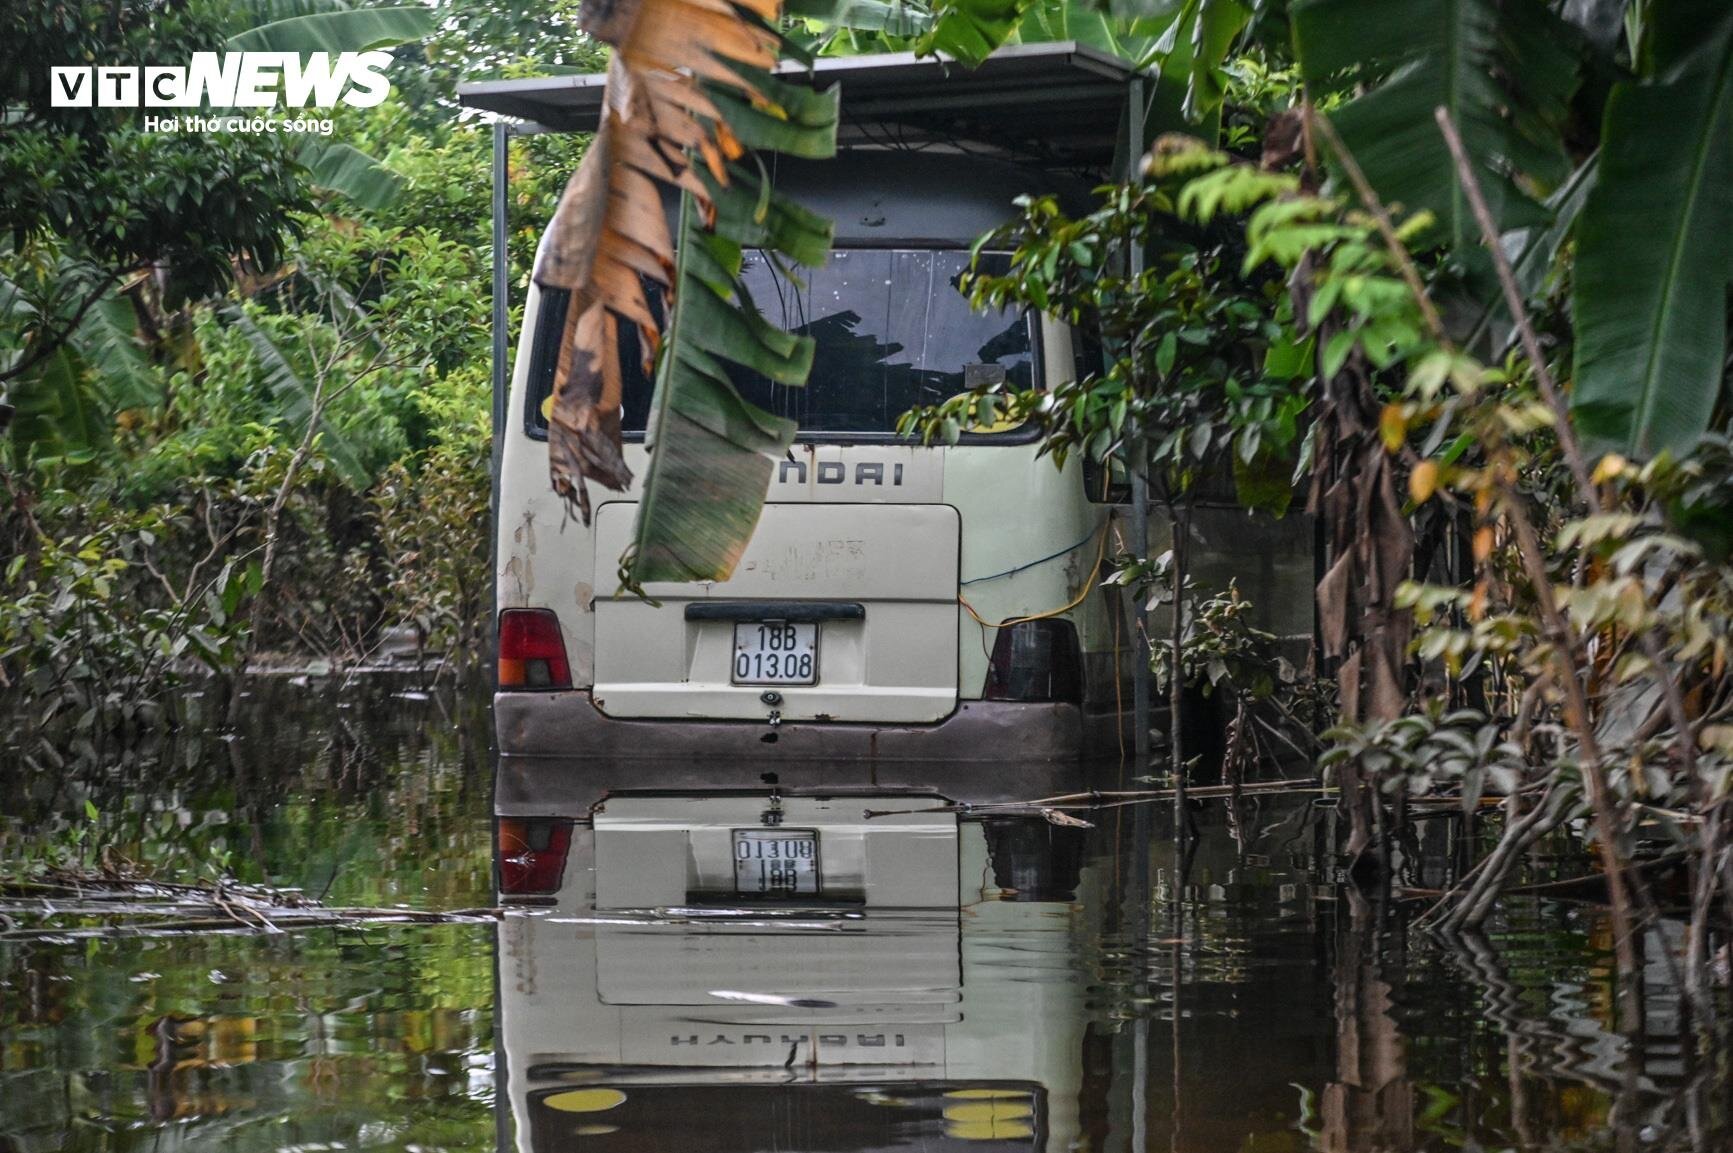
column 1005, row 984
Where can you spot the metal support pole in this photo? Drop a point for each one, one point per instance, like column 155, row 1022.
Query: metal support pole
column 501, row 303
column 1139, row 483
column 501, row 342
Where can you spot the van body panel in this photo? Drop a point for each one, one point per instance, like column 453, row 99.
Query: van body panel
column 543, row 553
column 881, row 473
column 984, row 509
column 896, row 664
column 1019, row 511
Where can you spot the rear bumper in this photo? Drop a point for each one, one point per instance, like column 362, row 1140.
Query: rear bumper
column 559, row 755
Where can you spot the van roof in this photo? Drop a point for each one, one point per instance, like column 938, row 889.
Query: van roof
column 1057, row 104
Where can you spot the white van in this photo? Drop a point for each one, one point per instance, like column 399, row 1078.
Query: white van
column 897, row 603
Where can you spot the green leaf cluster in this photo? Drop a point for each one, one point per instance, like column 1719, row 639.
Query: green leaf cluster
column 711, row 451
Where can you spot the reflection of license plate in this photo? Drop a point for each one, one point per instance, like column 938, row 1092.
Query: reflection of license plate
column 775, row 862
column 775, row 653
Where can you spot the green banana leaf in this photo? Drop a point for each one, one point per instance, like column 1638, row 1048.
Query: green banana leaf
column 338, row 30
column 711, row 452
column 295, row 398
column 347, row 170
column 334, row 26
column 1129, row 38
column 56, row 415
column 969, row 30
column 106, row 342
column 1505, row 69
column 1193, row 50
column 253, row 13
column 893, row 19
column 1532, row 251
column 1654, row 249
column 66, row 402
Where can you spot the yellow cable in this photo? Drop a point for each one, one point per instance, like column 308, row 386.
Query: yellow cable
column 1088, row 587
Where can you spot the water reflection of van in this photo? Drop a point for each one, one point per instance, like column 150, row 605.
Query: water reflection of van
column 897, row 602
column 635, row 1012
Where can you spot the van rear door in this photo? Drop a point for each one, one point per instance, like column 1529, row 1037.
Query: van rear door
column 844, row 606
column 868, row 592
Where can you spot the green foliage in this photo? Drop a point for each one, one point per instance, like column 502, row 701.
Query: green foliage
column 711, row 451
column 336, row 30
column 1184, row 382
column 427, row 508
column 118, row 197
column 1655, row 242
column 76, row 645
column 1633, row 166
column 480, row 39
column 163, row 433
column 1223, row 652
column 1049, row 20
column 345, row 169
column 1196, row 45
column 1505, row 72
column 1429, row 750
column 969, row 30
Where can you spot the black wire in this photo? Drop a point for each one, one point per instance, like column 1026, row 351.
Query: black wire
column 1031, row 564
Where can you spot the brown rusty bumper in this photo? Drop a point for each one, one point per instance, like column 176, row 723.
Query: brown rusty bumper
column 559, row 755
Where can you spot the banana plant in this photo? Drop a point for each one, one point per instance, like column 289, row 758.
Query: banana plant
column 61, row 404
column 1644, row 220
column 1655, row 242
column 689, row 96
column 333, row 26
column 1505, row 70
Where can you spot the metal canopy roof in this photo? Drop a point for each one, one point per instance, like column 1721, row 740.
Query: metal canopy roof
column 1057, row 103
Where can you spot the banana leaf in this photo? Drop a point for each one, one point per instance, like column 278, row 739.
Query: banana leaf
column 1132, row 39
column 690, row 95
column 338, row 30
column 1655, row 247
column 55, row 412
column 294, row 397
column 969, row 30
column 106, row 342
column 1505, row 71
column 711, row 452
column 347, row 170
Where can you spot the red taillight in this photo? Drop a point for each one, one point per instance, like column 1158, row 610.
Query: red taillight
column 532, row 854
column 532, row 655
column 1036, row 661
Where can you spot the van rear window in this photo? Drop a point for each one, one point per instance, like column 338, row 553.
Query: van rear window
column 893, row 331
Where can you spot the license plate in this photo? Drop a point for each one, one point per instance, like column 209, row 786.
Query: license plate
column 775, row 862
column 775, row 653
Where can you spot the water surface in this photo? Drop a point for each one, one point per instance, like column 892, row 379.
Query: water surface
column 1041, row 998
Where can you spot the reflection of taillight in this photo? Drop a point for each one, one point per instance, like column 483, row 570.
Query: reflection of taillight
column 1036, row 661
column 532, row 854
column 532, row 655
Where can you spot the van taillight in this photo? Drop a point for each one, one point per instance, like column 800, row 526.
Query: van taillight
column 532, row 854
column 1036, row 661
column 532, row 654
